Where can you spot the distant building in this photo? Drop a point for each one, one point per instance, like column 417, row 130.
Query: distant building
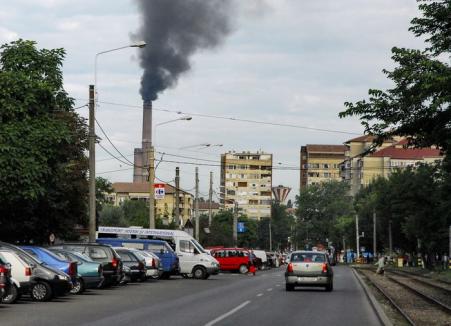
column 204, row 208
column 361, row 167
column 280, row 193
column 246, row 178
column 321, row 163
column 164, row 208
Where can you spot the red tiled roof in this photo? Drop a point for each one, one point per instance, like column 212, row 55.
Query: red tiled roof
column 139, row 187
column 316, row 148
column 407, row 153
column 204, row 205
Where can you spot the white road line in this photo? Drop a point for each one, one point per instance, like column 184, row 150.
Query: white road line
column 277, row 284
column 227, row 314
column 259, row 295
column 270, row 289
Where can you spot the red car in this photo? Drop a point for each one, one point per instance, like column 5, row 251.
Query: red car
column 232, row 259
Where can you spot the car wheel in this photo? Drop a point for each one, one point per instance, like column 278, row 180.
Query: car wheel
column 12, row 295
column 199, row 273
column 243, row 269
column 329, row 287
column 79, row 286
column 41, row 291
column 289, row 287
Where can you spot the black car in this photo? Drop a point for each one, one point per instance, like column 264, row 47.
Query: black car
column 45, row 282
column 136, row 264
column 105, row 254
column 5, row 279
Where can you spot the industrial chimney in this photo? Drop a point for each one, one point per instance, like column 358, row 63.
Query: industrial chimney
column 141, row 158
column 281, row 193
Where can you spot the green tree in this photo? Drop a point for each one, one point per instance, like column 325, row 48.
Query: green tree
column 112, row 216
column 136, row 213
column 321, row 208
column 418, row 106
column 43, row 168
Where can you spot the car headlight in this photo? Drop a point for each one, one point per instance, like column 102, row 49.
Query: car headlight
column 63, row 277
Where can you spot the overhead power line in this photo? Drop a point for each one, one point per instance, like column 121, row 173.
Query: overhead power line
column 211, row 116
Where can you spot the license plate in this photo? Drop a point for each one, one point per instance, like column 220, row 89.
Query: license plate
column 307, row 279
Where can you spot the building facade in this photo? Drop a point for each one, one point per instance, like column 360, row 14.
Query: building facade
column 320, row 163
column 246, row 179
column 362, row 166
column 164, row 208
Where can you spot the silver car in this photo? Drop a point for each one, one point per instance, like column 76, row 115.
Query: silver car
column 309, row 268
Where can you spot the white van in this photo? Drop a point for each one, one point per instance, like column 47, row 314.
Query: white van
column 193, row 258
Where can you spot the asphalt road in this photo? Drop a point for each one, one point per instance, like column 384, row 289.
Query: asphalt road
column 225, row 299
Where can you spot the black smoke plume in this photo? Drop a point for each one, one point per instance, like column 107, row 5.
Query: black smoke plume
column 173, row 31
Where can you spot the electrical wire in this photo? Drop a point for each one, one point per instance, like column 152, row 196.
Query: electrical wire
column 201, row 115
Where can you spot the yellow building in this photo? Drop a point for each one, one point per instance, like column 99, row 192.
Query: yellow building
column 361, row 167
column 164, row 208
column 321, row 163
column 246, row 179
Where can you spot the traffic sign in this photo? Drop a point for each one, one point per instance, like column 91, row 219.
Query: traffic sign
column 159, row 190
column 241, row 228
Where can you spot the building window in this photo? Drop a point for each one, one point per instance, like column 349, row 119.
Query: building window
column 242, row 184
column 326, row 166
column 327, row 175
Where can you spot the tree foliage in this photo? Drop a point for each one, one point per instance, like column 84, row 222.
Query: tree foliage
column 43, row 168
column 418, row 106
column 325, row 213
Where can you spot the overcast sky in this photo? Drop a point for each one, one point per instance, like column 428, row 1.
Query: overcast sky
column 286, row 61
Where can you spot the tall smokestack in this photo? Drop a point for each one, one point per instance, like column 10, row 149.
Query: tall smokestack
column 141, row 159
column 174, row 30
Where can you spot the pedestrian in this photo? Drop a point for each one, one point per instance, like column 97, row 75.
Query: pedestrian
column 380, row 266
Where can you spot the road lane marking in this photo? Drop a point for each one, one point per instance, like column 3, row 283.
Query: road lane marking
column 259, row 295
column 277, row 284
column 227, row 314
column 269, row 290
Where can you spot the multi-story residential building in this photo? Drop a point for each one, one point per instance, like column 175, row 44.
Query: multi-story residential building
column 361, row 167
column 246, row 178
column 204, row 208
column 321, row 163
column 164, row 208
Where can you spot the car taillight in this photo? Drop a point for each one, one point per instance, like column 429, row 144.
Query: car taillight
column 73, row 269
column 115, row 262
column 324, row 268
column 153, row 263
column 141, row 265
column 3, row 274
column 290, row 268
column 27, row 271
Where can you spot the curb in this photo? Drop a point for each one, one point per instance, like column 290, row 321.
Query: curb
column 373, row 301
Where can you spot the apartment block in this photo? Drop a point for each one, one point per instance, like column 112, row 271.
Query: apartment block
column 164, row 208
column 320, row 163
column 246, row 179
column 361, row 166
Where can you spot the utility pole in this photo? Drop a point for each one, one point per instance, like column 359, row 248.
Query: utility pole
column 92, row 166
column 357, row 236
column 235, row 224
column 374, row 233
column 210, row 195
column 177, row 197
column 196, row 204
column 270, row 235
column 390, row 240
column 151, row 188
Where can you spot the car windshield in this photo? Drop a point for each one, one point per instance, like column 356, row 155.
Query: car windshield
column 198, row 246
column 81, row 256
column 300, row 257
column 52, row 255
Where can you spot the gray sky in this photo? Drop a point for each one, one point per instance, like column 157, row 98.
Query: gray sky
column 287, row 61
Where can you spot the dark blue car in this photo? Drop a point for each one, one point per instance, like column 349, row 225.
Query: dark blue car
column 167, row 256
column 52, row 260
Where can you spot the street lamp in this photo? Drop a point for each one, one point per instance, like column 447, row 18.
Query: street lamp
column 152, row 174
column 92, row 139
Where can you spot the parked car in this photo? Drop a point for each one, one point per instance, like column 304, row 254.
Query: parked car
column 104, row 254
column 233, row 259
column 45, row 282
column 89, row 272
column 153, row 264
column 309, row 268
column 168, row 258
column 5, row 279
column 132, row 259
column 52, row 260
column 264, row 260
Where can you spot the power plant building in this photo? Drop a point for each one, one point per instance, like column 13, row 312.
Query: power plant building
column 246, row 179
